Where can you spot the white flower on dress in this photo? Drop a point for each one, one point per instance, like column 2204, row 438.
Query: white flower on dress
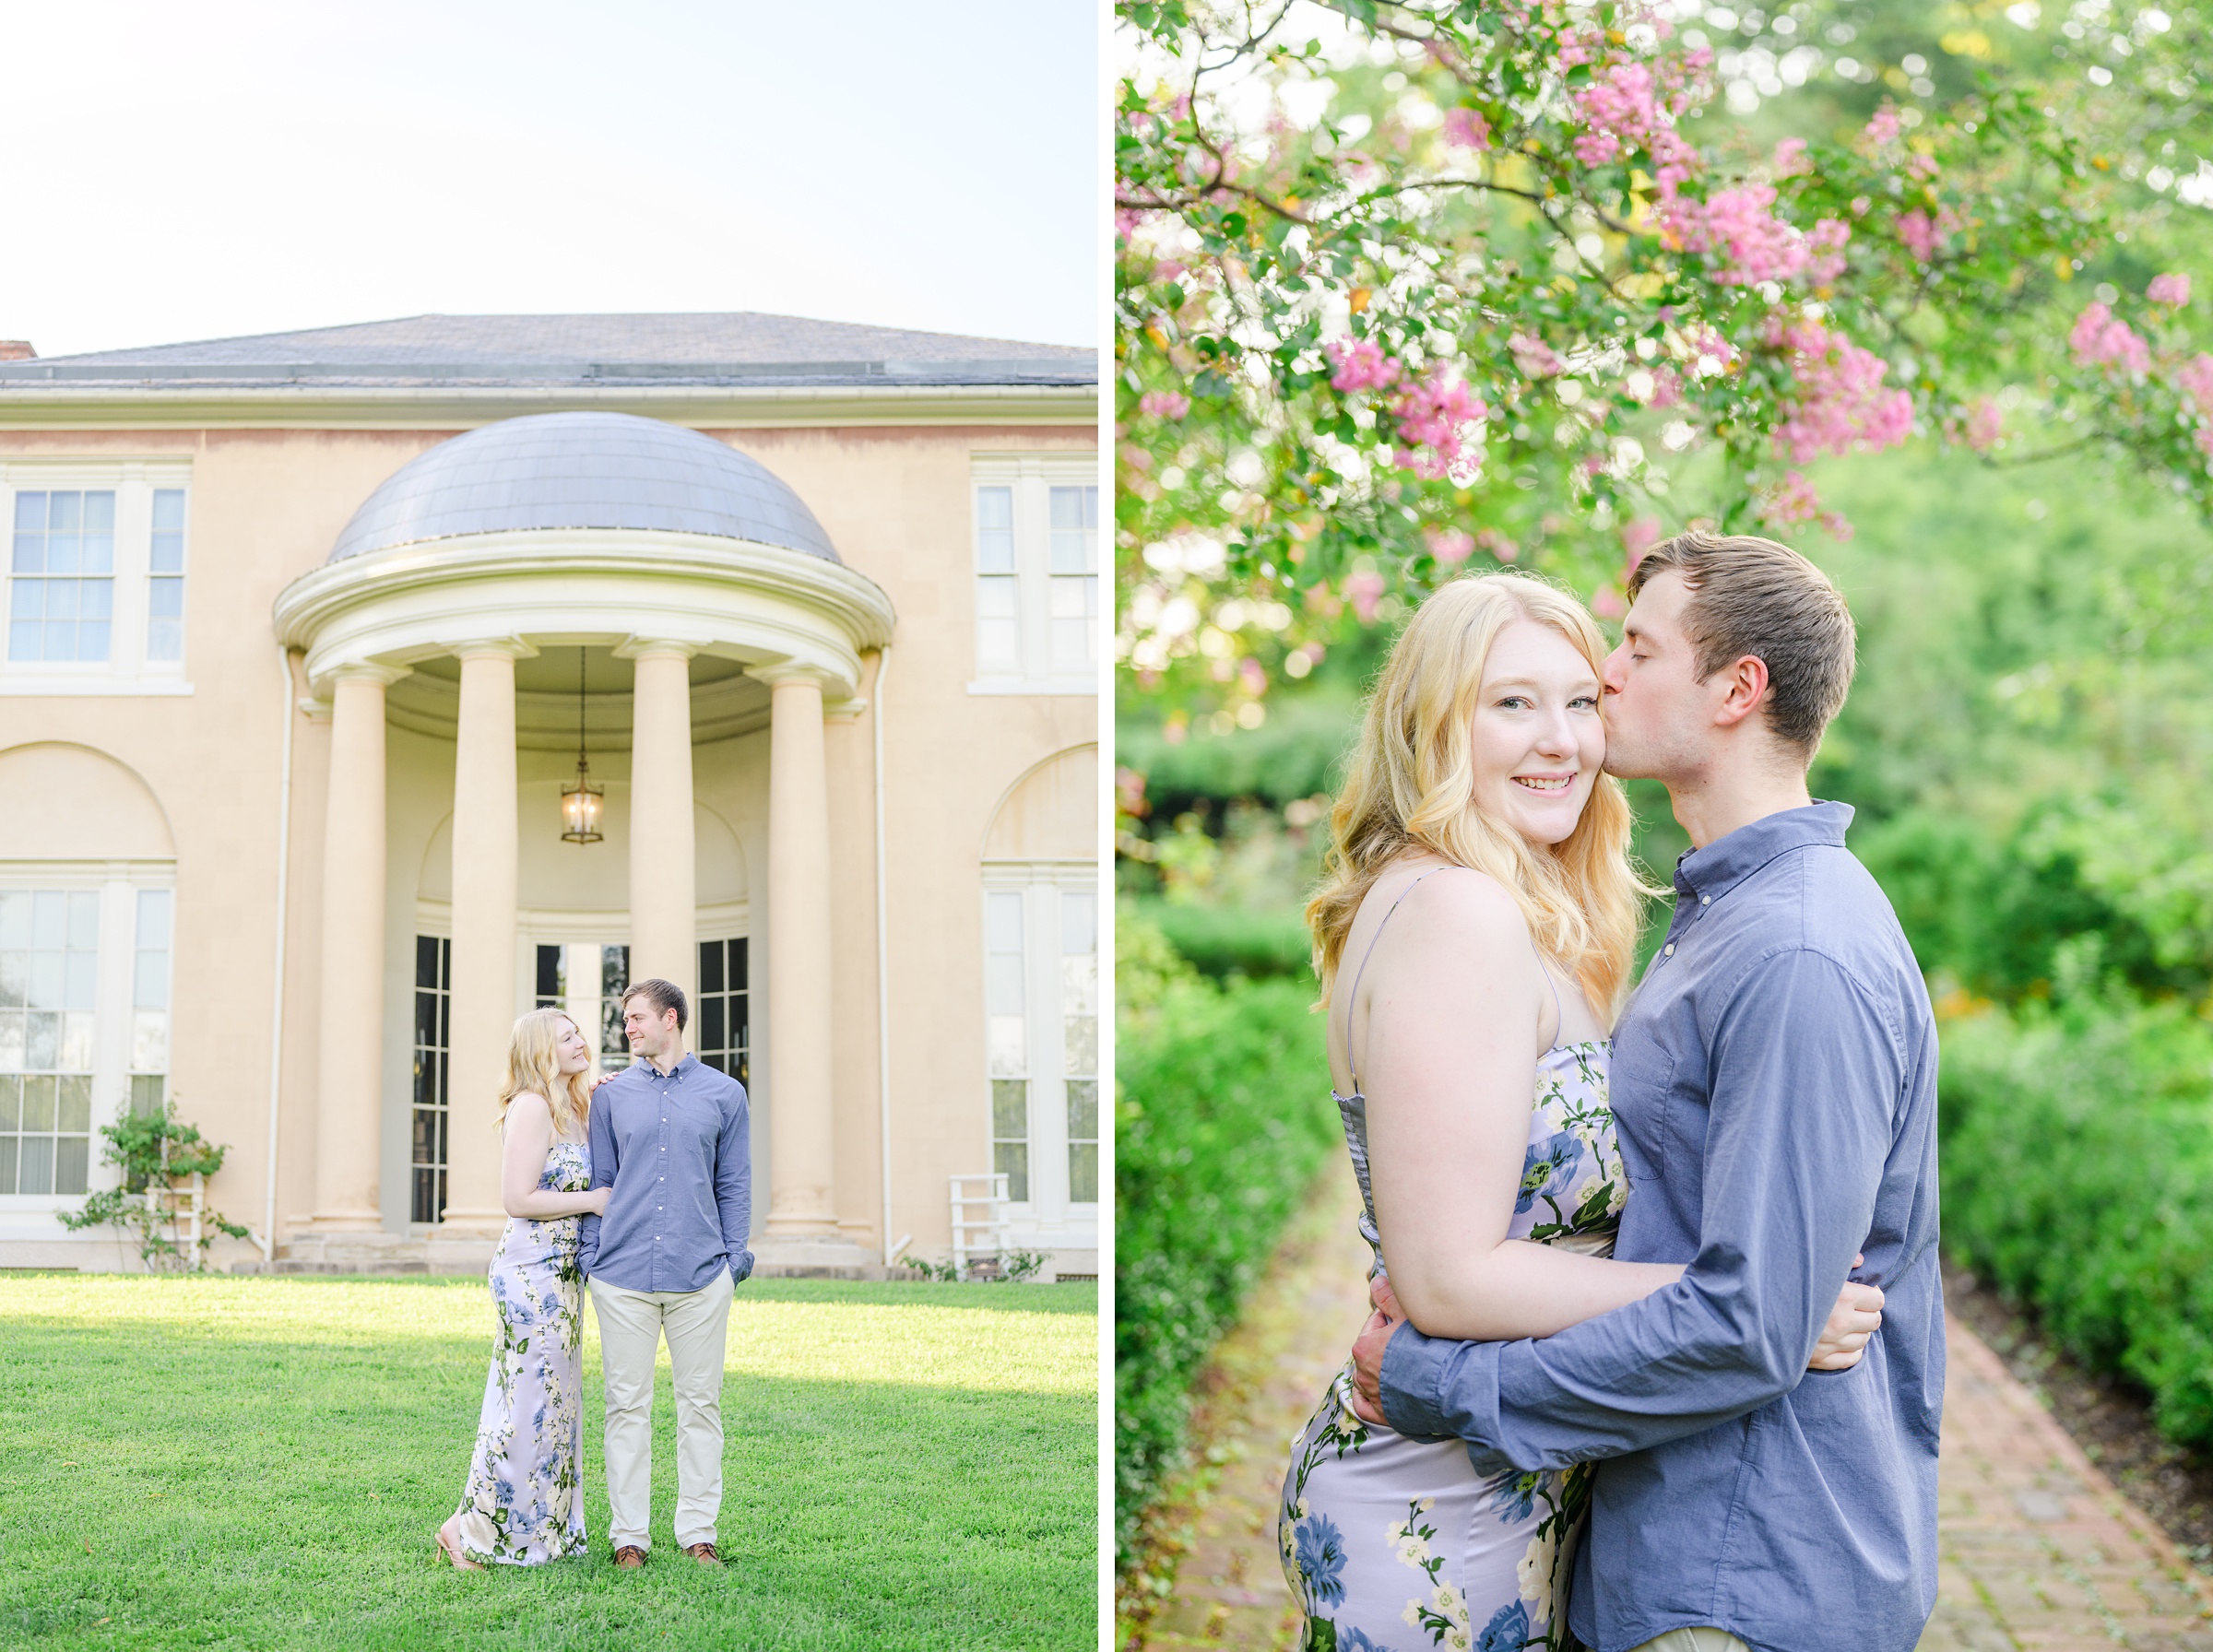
column 1413, row 1614
column 1536, row 1570
column 1452, row 1605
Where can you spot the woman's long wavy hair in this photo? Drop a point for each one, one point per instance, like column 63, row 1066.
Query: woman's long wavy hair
column 1411, row 780
column 534, row 1069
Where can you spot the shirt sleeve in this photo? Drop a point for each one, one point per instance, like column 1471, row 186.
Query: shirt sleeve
column 600, row 1131
column 1804, row 1080
column 734, row 1183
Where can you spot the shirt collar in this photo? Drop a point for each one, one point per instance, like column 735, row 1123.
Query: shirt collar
column 1726, row 862
column 678, row 1071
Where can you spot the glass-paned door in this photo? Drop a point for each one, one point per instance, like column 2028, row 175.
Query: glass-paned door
column 1079, row 1040
column 49, row 974
column 1007, row 1036
column 433, row 997
column 149, row 1002
column 724, row 1024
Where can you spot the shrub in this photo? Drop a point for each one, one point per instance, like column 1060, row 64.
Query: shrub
column 1222, row 1120
column 1236, row 940
column 2079, row 1177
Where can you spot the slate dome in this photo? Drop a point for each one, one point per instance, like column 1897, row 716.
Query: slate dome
column 583, row 470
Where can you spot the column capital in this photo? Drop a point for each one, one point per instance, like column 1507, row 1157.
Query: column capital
column 513, row 648
column 655, row 648
column 778, row 672
column 374, row 671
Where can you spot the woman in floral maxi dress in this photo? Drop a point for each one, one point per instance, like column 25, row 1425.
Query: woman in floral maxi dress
column 524, row 1502
column 1475, row 815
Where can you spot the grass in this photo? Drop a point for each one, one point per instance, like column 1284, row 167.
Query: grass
column 216, row 1462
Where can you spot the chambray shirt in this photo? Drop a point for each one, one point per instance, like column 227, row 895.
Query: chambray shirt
column 1774, row 1086
column 676, row 1149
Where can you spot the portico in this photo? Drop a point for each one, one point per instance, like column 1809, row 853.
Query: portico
column 756, row 595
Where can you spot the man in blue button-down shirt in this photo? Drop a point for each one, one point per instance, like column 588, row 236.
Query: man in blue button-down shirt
column 670, row 1137
column 1774, row 1083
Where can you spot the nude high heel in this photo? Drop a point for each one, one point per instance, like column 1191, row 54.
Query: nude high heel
column 450, row 1546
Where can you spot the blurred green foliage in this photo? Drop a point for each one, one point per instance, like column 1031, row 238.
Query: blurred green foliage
column 2079, row 1177
column 1222, row 1121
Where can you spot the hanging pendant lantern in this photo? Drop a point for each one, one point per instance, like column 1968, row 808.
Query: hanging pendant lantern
column 580, row 802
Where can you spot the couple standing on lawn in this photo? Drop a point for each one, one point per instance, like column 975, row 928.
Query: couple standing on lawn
column 651, row 1200
column 1610, row 1394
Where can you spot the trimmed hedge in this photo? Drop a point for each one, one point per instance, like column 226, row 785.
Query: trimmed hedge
column 1222, row 1120
column 1236, row 940
column 2077, row 1153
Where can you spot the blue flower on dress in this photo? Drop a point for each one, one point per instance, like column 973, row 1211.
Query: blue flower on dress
column 1508, row 1629
column 1355, row 1640
column 1544, row 1167
column 1321, row 1557
column 1514, row 1496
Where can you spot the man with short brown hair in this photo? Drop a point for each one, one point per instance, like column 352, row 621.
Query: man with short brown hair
column 670, row 1137
column 1774, row 1091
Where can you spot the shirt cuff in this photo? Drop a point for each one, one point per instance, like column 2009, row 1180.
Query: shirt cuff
column 741, row 1267
column 1436, row 1388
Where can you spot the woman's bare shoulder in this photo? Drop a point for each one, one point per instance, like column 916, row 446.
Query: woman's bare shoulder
column 529, row 1104
column 1453, row 908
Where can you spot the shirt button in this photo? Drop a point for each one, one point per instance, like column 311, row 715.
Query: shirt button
column 1705, row 900
column 1668, row 951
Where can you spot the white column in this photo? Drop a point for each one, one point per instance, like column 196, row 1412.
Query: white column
column 664, row 906
column 801, row 1158
column 350, row 1091
column 485, row 853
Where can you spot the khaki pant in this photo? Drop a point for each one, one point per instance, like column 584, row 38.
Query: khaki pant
column 1694, row 1640
column 631, row 1323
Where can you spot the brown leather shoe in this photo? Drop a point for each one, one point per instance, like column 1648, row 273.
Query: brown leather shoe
column 631, row 1558
column 704, row 1553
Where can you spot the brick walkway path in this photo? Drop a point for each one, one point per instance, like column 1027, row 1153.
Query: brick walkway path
column 2039, row 1553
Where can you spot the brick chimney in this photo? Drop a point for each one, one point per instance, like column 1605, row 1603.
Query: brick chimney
column 16, row 349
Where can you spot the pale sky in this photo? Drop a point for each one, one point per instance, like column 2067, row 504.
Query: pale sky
column 178, row 171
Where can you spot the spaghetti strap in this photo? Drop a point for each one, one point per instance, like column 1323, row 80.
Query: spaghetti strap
column 1559, row 1016
column 1351, row 1066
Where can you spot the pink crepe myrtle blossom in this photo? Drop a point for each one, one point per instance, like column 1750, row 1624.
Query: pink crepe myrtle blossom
column 1883, row 129
column 1628, row 107
column 1168, row 269
column 1606, row 603
column 2099, row 335
column 1467, row 128
column 2170, row 289
column 1499, row 545
column 1825, row 250
column 1364, row 589
column 1923, row 165
column 1639, row 535
column 1790, row 159
column 1738, row 227
column 1449, row 546
column 1252, row 677
column 1362, row 365
column 2195, row 378
column 1841, row 403
column 1984, row 425
column 1536, row 358
column 1922, row 234
column 1163, row 404
column 1793, row 500
column 2204, row 439
column 1433, row 417
column 1127, row 223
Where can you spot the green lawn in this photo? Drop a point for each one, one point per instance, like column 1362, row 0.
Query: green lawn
column 261, row 1462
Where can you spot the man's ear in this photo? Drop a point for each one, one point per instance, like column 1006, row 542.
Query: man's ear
column 1747, row 691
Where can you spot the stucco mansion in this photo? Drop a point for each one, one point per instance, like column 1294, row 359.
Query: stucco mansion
column 365, row 687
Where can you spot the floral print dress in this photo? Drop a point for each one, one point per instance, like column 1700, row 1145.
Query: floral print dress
column 1391, row 1543
column 524, row 1505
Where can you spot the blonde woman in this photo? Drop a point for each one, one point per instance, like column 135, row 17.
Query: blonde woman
column 1479, row 886
column 524, row 1502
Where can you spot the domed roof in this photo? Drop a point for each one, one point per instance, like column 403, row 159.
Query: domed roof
column 583, row 470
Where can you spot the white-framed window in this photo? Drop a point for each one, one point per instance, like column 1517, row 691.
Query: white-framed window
column 721, row 1019
column 93, row 598
column 84, row 1017
column 429, row 1111
column 1037, row 575
column 1041, row 1007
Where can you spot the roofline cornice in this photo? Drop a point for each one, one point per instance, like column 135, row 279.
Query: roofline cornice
column 62, row 406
